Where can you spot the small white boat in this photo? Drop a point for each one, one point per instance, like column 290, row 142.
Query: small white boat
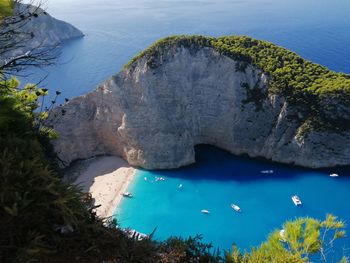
column 127, row 194
column 180, row 186
column 334, row 175
column 296, row 200
column 145, row 178
column 236, row 207
column 267, row 172
column 204, row 211
column 159, row 179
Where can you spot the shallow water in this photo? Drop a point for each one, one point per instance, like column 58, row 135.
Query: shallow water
column 219, row 179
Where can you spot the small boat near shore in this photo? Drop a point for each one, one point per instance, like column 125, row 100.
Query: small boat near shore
column 204, row 211
column 296, row 200
column 127, row 194
column 334, row 175
column 236, row 208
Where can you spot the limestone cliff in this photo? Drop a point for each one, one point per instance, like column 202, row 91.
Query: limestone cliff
column 38, row 31
column 167, row 101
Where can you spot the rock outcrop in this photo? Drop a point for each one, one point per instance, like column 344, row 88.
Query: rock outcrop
column 154, row 115
column 39, row 31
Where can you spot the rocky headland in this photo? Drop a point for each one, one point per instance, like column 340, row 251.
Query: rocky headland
column 236, row 93
column 35, row 30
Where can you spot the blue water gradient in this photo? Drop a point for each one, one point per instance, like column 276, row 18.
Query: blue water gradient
column 218, row 179
column 117, row 30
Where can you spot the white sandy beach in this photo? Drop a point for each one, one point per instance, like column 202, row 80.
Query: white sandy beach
column 106, row 178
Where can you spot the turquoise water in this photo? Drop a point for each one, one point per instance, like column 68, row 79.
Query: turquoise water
column 116, row 30
column 219, row 179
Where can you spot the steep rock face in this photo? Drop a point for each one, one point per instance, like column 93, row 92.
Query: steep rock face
column 154, row 116
column 40, row 31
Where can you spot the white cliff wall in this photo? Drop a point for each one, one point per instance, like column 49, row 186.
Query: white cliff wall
column 154, row 117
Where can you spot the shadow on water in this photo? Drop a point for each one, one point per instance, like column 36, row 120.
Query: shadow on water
column 240, row 168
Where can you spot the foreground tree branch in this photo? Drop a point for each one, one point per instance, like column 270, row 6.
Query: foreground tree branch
column 15, row 52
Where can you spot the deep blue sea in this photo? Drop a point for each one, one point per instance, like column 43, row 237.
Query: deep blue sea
column 116, row 30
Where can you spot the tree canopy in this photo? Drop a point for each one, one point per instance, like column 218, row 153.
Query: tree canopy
column 299, row 241
column 6, row 8
column 316, row 91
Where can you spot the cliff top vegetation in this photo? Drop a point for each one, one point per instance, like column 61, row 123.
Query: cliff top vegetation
column 6, row 8
column 289, row 72
column 303, row 83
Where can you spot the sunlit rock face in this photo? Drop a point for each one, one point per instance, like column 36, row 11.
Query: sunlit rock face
column 153, row 116
column 40, row 31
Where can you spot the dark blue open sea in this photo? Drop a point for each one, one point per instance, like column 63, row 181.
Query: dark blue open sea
column 116, row 30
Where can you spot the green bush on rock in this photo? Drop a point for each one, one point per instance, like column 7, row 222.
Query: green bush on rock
column 303, row 84
column 6, row 8
column 297, row 242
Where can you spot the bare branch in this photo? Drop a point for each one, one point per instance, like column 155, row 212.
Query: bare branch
column 15, row 52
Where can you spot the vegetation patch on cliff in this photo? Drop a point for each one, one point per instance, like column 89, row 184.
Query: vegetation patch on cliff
column 6, row 8
column 303, row 83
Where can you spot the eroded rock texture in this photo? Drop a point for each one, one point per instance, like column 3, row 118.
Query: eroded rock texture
column 153, row 116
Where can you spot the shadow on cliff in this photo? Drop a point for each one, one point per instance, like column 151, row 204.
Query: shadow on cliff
column 216, row 164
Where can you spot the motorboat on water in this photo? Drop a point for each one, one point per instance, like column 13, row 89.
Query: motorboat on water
column 266, row 171
column 204, row 211
column 296, row 200
column 236, row 208
column 180, row 186
column 160, row 179
column 127, row 194
column 334, row 175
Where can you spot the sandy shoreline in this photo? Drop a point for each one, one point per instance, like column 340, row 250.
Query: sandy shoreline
column 106, row 178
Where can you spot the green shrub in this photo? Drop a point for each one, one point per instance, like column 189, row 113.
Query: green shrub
column 303, row 84
column 188, row 250
column 6, row 8
column 302, row 238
